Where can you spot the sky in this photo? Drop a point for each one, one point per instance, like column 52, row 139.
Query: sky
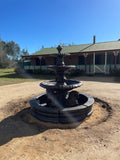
column 36, row 23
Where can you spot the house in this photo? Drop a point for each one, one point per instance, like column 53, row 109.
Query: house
column 92, row 58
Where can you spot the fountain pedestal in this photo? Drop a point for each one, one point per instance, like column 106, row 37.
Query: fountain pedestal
column 59, row 104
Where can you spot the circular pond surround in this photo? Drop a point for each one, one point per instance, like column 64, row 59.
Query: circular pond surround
column 58, row 114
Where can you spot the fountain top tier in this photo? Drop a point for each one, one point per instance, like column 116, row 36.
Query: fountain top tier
column 60, row 66
column 61, row 83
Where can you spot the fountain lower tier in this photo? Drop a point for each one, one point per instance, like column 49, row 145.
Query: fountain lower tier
column 58, row 113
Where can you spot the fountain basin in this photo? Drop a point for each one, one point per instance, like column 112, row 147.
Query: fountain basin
column 61, row 114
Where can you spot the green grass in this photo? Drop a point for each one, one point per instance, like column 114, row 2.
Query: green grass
column 8, row 76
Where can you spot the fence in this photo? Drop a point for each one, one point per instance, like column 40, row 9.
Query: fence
column 90, row 69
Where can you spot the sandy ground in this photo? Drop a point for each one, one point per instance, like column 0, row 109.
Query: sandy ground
column 97, row 138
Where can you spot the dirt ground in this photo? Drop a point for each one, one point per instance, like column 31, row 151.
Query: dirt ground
column 97, row 138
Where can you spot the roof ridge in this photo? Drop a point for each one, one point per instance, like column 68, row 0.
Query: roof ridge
column 109, row 45
column 66, row 46
column 107, row 42
column 78, row 45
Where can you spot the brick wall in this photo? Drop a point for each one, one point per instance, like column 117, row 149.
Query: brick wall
column 49, row 60
column 71, row 60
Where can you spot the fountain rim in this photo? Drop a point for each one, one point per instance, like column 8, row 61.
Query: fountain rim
column 47, row 85
column 36, row 105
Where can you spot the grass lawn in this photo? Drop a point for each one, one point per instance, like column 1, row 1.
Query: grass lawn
column 8, row 76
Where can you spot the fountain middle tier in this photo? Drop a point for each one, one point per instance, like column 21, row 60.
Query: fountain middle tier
column 67, row 85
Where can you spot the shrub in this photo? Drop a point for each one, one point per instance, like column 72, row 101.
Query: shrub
column 114, row 72
column 43, row 72
column 76, row 72
column 18, row 69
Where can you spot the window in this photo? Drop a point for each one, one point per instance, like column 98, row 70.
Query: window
column 110, row 58
column 42, row 61
column 37, row 61
column 100, row 58
column 118, row 58
column 81, row 60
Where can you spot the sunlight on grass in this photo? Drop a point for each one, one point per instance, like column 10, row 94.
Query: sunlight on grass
column 6, row 71
column 8, row 76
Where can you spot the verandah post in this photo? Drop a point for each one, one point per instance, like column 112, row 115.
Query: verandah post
column 105, row 69
column 94, row 62
column 85, row 55
column 115, row 54
column 23, row 62
column 40, row 62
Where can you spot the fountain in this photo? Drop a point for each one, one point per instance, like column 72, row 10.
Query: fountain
column 59, row 104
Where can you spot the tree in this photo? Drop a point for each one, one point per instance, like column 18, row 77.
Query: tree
column 10, row 52
column 4, row 60
column 25, row 52
column 2, row 45
column 13, row 50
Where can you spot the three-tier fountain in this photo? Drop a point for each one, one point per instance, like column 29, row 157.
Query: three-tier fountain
column 59, row 104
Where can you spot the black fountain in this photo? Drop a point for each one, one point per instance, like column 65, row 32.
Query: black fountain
column 60, row 105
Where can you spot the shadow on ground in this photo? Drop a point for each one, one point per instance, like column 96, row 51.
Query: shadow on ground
column 15, row 126
column 22, row 124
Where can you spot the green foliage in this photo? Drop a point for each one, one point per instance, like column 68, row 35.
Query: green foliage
column 41, row 72
column 12, row 49
column 18, row 69
column 4, row 60
column 24, row 52
column 9, row 53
